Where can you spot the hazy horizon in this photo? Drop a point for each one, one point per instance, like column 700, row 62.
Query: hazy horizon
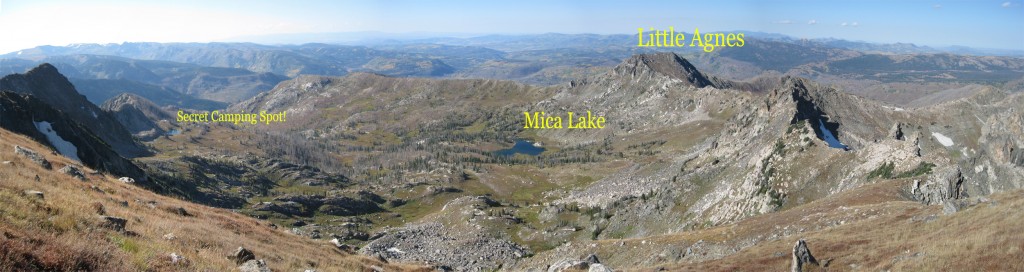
column 980, row 24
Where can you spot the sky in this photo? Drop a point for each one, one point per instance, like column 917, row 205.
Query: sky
column 24, row 24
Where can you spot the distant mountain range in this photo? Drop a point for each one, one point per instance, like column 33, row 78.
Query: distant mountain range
column 212, row 75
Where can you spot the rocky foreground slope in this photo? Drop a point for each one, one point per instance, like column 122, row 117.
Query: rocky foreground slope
column 54, row 221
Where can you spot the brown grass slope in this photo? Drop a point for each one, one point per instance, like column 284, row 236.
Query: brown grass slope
column 872, row 228
column 61, row 231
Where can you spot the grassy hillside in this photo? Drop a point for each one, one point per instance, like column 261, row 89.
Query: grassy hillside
column 61, row 230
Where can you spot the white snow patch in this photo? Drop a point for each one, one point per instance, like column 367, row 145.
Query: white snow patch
column 894, row 108
column 395, row 250
column 945, row 141
column 94, row 116
column 64, row 147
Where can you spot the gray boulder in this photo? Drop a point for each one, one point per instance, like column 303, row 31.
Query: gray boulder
column 73, row 172
column 254, row 266
column 242, row 255
column 33, row 156
column 801, row 256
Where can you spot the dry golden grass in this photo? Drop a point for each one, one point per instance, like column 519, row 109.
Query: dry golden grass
column 60, row 232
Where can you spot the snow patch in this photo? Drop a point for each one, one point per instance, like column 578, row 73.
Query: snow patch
column 945, row 141
column 94, row 116
column 830, row 138
column 894, row 108
column 64, row 147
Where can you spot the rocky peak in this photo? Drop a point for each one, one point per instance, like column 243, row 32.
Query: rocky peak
column 28, row 115
column 137, row 114
column 48, row 85
column 665, row 63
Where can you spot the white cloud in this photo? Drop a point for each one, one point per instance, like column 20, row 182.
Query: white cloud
column 812, row 22
column 843, row 24
column 784, row 22
column 854, row 24
column 1007, row 4
column 937, row 6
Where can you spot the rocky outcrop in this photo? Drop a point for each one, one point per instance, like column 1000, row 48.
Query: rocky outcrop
column 137, row 114
column 73, row 171
column 668, row 64
column 33, row 156
column 254, row 266
column 590, row 264
column 348, row 206
column 50, row 87
column 242, row 255
column 801, row 256
column 20, row 113
column 435, row 244
column 285, row 208
column 946, row 184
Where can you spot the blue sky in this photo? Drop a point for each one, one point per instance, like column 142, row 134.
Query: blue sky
column 985, row 24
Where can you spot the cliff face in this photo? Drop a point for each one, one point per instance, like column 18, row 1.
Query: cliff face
column 139, row 115
column 47, row 85
column 27, row 115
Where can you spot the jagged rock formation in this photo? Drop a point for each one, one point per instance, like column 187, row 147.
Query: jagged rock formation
column 666, row 64
column 47, row 85
column 768, row 149
column 946, row 184
column 801, row 256
column 139, row 115
column 23, row 113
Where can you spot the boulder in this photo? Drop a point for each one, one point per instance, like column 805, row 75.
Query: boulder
column 570, row 265
column 73, row 171
column 599, row 268
column 114, row 223
column 945, row 185
column 590, row 263
column 254, row 266
column 175, row 258
column 33, row 193
column 242, row 256
column 801, row 255
column 126, row 180
column 181, row 211
column 342, row 246
column 33, row 156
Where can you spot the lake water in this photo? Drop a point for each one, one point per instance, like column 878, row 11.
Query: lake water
column 521, row 147
column 173, row 132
